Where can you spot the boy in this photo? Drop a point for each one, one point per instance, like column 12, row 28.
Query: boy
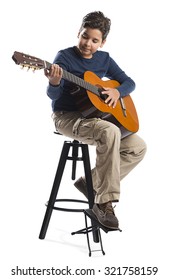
column 115, row 156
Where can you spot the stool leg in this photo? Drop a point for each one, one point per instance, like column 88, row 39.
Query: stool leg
column 74, row 158
column 55, row 188
column 87, row 168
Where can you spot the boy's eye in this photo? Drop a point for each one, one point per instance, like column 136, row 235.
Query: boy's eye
column 84, row 36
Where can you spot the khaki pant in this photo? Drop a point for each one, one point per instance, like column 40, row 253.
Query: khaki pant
column 115, row 157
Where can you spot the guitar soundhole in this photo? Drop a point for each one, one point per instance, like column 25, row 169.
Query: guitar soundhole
column 102, row 96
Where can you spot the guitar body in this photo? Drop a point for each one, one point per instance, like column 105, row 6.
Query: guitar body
column 94, row 106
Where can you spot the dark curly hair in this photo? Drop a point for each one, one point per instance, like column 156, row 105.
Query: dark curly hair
column 97, row 20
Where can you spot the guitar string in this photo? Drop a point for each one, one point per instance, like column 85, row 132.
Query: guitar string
column 82, row 83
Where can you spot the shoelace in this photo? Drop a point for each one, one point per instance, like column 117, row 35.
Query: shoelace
column 107, row 208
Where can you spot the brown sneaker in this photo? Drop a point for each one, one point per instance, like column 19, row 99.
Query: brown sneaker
column 105, row 215
column 81, row 185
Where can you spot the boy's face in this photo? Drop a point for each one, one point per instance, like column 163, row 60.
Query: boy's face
column 89, row 41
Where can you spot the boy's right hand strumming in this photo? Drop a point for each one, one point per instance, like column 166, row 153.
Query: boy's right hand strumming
column 54, row 74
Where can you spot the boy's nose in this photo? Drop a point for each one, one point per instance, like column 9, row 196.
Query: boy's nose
column 87, row 42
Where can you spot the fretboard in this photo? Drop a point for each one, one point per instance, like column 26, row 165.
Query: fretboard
column 76, row 80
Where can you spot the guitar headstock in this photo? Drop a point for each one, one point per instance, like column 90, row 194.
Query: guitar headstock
column 29, row 61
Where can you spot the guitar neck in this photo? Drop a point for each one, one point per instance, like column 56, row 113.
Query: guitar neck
column 76, row 80
column 33, row 62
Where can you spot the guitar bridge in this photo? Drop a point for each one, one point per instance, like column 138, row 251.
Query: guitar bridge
column 123, row 106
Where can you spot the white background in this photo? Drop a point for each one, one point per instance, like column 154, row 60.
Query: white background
column 30, row 151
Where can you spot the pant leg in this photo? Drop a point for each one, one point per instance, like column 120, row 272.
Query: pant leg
column 132, row 151
column 115, row 158
column 106, row 137
column 106, row 175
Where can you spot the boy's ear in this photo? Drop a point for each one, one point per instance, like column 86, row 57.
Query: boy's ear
column 102, row 44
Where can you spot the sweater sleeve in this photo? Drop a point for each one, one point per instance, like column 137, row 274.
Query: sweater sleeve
column 127, row 85
column 54, row 92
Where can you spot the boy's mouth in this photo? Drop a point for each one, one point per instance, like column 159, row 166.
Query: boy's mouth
column 86, row 49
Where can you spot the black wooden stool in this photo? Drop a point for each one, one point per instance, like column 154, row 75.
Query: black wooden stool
column 74, row 146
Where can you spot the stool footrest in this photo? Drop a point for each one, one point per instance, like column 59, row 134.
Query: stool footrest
column 68, row 209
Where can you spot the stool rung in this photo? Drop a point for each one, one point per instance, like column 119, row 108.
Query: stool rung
column 77, row 158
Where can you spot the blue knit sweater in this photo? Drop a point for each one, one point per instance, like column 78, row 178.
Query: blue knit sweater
column 101, row 64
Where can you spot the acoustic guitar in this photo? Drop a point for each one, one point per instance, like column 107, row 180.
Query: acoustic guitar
column 92, row 104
